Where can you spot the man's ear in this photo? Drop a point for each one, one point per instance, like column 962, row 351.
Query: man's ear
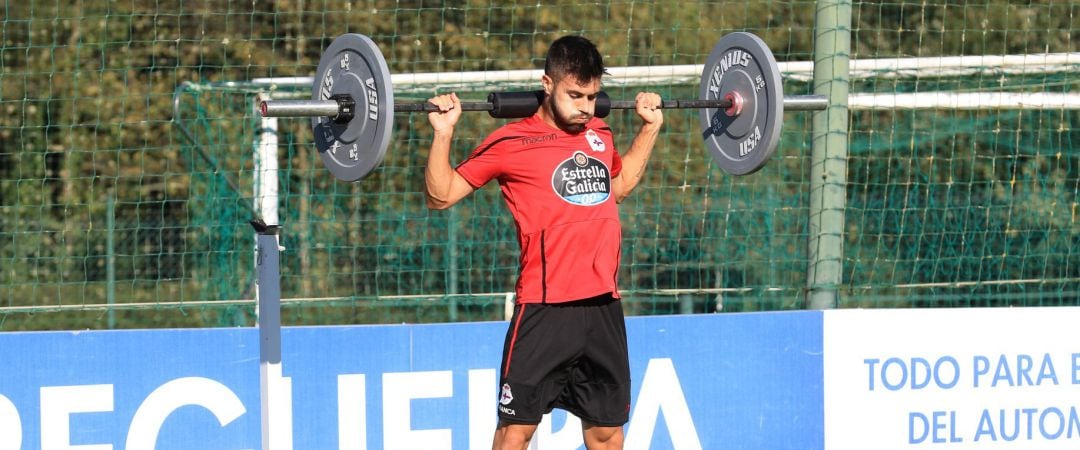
column 548, row 83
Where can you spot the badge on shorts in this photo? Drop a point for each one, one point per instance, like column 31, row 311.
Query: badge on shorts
column 506, row 396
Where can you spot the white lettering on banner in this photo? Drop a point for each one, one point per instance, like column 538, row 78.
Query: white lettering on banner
column 10, row 425
column 276, row 406
column 58, row 403
column 352, row 412
column 398, row 390
column 221, row 401
column 661, row 390
column 482, row 420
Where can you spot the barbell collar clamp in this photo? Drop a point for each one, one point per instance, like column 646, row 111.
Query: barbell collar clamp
column 736, row 103
column 346, row 108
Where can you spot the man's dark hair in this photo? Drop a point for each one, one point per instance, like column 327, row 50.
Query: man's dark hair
column 574, row 56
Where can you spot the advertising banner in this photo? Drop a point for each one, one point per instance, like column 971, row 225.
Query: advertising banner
column 707, row 381
column 843, row 379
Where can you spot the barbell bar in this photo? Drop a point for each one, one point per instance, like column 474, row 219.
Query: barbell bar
column 341, row 110
column 740, row 100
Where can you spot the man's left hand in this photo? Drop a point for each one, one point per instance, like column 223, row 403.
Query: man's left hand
column 647, row 105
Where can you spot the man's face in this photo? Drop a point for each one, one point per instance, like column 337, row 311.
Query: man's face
column 573, row 101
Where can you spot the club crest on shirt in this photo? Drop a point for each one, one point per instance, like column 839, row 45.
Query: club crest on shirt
column 594, row 141
column 582, row 180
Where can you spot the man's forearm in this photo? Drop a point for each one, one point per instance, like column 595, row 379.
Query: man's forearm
column 635, row 159
column 439, row 175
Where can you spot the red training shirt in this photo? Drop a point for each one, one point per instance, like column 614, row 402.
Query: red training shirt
column 558, row 187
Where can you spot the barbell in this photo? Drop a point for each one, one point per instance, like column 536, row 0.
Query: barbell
column 741, row 105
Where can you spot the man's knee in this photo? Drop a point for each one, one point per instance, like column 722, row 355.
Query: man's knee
column 512, row 436
column 608, row 438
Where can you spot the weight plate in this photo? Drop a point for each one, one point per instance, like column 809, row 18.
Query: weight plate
column 353, row 65
column 741, row 63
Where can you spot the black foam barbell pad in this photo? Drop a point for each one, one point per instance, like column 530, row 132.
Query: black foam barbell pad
column 514, row 105
column 518, row 104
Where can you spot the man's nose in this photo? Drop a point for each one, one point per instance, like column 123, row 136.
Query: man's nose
column 586, row 105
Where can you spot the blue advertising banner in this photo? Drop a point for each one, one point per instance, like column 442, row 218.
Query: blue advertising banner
column 97, row 390
column 702, row 381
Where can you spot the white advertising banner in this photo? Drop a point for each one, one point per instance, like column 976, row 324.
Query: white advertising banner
column 952, row 379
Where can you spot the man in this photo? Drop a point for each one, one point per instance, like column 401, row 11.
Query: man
column 561, row 178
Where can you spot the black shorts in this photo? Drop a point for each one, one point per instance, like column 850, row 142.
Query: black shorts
column 571, row 356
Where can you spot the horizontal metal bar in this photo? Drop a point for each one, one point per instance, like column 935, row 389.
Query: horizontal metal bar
column 805, row 102
column 675, row 104
column 330, row 108
column 615, row 104
column 791, row 103
column 299, row 108
column 428, row 107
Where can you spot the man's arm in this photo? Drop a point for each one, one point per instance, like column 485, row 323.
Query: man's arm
column 443, row 185
column 637, row 157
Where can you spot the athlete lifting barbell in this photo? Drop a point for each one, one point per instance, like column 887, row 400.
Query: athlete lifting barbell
column 561, row 178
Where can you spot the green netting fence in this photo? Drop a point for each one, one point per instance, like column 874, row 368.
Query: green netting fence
column 128, row 176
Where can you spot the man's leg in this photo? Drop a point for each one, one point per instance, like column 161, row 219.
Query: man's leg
column 602, row 438
column 513, row 436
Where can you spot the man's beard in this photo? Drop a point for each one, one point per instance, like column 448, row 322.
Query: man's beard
column 565, row 123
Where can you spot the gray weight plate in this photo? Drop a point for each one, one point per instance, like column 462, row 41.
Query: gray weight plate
column 353, row 65
column 741, row 63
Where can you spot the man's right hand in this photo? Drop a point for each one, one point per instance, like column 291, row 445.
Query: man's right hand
column 448, row 114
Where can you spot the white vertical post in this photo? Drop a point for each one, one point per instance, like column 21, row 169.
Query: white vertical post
column 508, row 306
column 266, row 168
column 275, row 390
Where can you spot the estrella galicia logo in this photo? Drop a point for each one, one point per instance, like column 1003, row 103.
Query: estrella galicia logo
column 582, row 180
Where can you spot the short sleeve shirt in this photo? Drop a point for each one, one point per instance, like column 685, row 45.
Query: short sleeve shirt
column 557, row 186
